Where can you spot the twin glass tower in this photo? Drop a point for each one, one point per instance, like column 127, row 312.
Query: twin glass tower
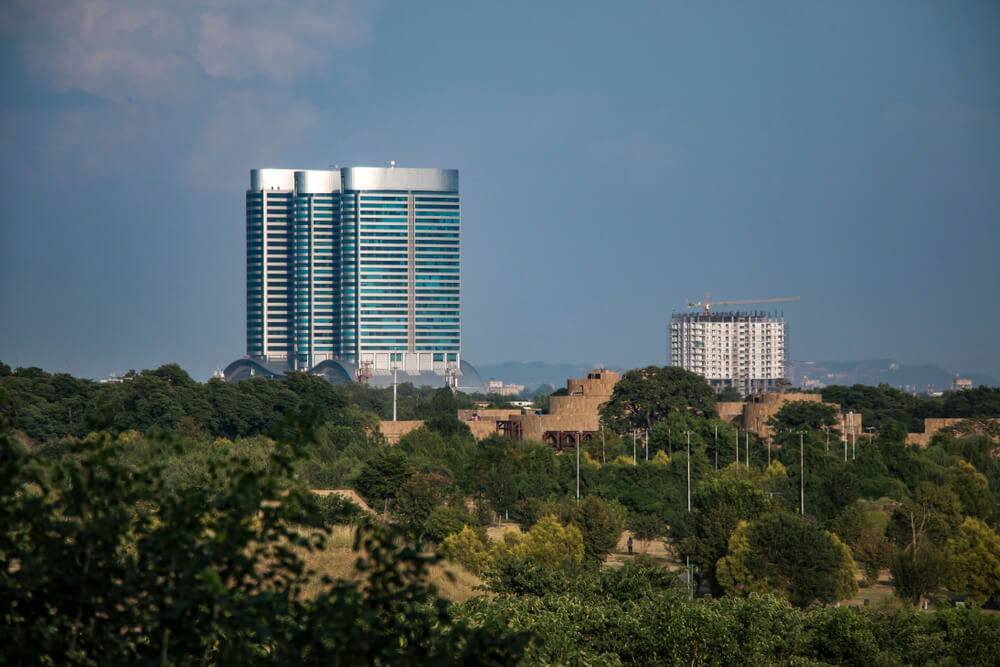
column 358, row 265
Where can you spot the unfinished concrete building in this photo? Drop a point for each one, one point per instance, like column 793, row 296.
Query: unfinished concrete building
column 743, row 351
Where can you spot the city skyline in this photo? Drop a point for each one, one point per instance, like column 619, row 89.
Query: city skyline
column 615, row 166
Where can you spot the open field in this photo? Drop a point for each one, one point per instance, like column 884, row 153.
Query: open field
column 338, row 561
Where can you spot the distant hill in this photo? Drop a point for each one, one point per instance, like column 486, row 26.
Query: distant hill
column 532, row 374
column 876, row 371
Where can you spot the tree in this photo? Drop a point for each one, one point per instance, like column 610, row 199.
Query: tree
column 791, row 557
column 800, row 415
column 600, row 523
column 645, row 396
column 729, row 395
column 719, row 506
column 933, row 515
column 646, row 527
column 971, row 488
column 467, row 549
column 547, row 543
column 382, row 477
column 114, row 567
column 975, row 561
column 415, row 501
column 917, row 572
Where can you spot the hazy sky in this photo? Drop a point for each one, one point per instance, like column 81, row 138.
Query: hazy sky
column 616, row 159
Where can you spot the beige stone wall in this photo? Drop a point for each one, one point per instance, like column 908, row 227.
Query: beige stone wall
column 579, row 410
column 482, row 428
column 394, row 430
column 487, row 413
column 931, row 426
column 731, row 411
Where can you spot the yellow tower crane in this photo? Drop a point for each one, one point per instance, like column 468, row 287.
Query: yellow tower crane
column 708, row 304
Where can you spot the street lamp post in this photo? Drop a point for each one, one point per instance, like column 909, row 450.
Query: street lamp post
column 689, row 470
column 802, row 484
column 394, row 369
column 716, row 446
column 579, row 439
column 634, row 458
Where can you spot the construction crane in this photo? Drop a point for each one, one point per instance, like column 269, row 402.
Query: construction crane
column 708, row 304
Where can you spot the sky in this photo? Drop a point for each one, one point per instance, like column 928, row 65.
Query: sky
column 617, row 160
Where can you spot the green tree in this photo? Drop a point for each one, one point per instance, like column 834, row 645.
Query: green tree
column 975, row 561
column 792, row 557
column 917, row 572
column 719, row 506
column 382, row 477
column 802, row 415
column 467, row 549
column 933, row 514
column 646, row 527
column 642, row 397
column 971, row 488
column 415, row 501
column 114, row 567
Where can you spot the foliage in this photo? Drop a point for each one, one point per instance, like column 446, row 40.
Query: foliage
column 415, row 501
column 383, row 476
column 800, row 415
column 719, row 506
column 645, row 396
column 786, row 554
column 207, row 577
column 600, row 522
column 917, row 572
column 467, row 549
column 448, row 520
column 975, row 561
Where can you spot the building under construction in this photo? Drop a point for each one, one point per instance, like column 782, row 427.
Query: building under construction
column 745, row 351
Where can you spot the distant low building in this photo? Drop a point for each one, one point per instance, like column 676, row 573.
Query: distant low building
column 961, row 384
column 498, row 388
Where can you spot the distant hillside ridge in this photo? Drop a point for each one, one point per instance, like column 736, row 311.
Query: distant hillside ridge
column 877, row 371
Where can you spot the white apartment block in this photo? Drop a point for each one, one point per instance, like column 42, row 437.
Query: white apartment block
column 745, row 351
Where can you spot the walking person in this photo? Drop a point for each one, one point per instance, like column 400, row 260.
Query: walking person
column 630, row 545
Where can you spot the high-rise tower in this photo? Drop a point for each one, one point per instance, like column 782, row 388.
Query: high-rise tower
column 744, row 351
column 358, row 265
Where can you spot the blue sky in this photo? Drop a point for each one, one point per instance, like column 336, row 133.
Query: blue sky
column 617, row 160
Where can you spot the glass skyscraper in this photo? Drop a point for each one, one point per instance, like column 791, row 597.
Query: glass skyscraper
column 358, row 265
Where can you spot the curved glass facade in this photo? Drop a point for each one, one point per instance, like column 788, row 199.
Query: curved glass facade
column 359, row 264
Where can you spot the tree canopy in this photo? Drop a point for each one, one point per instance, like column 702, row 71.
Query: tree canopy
column 643, row 397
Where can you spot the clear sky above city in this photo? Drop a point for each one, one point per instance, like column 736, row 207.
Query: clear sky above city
column 617, row 160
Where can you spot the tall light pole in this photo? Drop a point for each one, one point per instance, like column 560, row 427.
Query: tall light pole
column 689, row 470
column 716, row 446
column 646, row 445
column 635, row 460
column 737, row 446
column 802, row 476
column 579, row 439
column 394, row 369
column 690, row 578
column 748, row 450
